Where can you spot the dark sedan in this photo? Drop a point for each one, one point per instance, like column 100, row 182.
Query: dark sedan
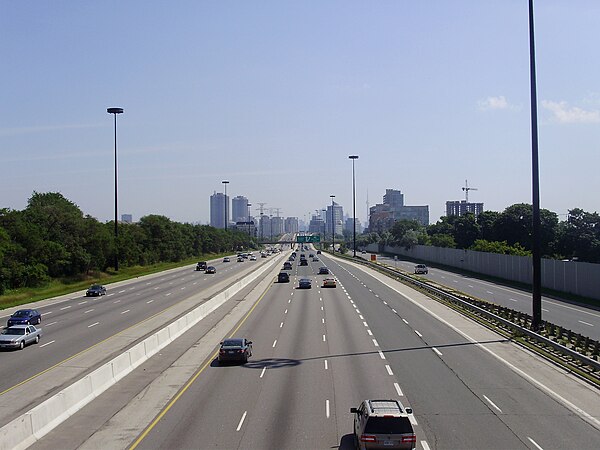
column 25, row 317
column 95, row 290
column 235, row 349
column 323, row 271
column 210, row 269
column 304, row 283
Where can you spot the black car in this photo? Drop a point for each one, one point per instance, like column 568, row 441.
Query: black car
column 95, row 290
column 303, row 262
column 304, row 283
column 25, row 317
column 201, row 266
column 235, row 349
column 210, row 269
column 287, row 265
column 283, row 277
column 323, row 271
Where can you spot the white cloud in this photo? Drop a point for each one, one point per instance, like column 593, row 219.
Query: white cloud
column 562, row 113
column 490, row 103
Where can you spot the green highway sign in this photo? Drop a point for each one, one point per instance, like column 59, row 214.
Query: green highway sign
column 306, row 239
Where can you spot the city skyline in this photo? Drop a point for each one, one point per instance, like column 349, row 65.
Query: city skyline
column 427, row 94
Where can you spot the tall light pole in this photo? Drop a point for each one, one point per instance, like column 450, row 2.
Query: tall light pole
column 225, row 183
column 536, row 253
column 114, row 112
column 249, row 229
column 324, row 225
column 332, row 226
column 353, row 157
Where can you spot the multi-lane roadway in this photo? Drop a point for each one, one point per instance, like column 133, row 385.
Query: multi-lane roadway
column 319, row 352
column 581, row 319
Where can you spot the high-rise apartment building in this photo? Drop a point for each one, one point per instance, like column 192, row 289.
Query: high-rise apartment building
column 462, row 207
column 239, row 209
column 335, row 216
column 218, row 203
column 290, row 225
column 382, row 216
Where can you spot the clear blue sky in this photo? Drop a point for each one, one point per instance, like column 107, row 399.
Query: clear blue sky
column 274, row 95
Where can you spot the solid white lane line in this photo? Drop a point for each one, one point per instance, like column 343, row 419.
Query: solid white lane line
column 418, row 334
column 326, row 365
column 88, row 311
column 585, row 323
column 425, row 445
column 375, row 343
column 126, row 311
column 381, row 355
column 394, row 311
column 535, row 443
column 263, row 371
column 398, row 390
column 82, row 303
column 369, row 332
column 51, row 323
column 47, row 343
column 493, row 404
column 149, row 301
column 437, row 351
column 327, row 408
column 389, row 370
column 324, row 338
column 239, row 427
column 65, row 307
column 281, row 325
column 274, row 343
column 93, row 325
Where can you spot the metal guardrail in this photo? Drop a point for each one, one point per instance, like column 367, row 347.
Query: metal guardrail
column 539, row 339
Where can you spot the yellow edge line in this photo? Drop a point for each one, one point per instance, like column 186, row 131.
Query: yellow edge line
column 87, row 349
column 191, row 380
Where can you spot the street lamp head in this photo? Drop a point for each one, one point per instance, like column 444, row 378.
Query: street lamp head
column 225, row 182
column 353, row 157
column 114, row 110
column 332, row 196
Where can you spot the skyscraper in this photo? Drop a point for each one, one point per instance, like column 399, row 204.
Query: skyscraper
column 239, row 209
column 335, row 214
column 217, row 209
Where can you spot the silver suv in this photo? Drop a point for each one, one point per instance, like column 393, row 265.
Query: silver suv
column 383, row 424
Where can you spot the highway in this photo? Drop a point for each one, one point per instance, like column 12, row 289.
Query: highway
column 579, row 319
column 75, row 326
column 319, row 352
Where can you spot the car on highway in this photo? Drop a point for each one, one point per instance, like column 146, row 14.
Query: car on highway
column 421, row 268
column 283, row 277
column 382, row 424
column 329, row 283
column 323, row 271
column 235, row 349
column 226, row 259
column 95, row 290
column 287, row 265
column 24, row 317
column 240, row 259
column 252, row 258
column 211, row 269
column 304, row 283
column 318, row 252
column 303, row 262
column 201, row 265
column 18, row 336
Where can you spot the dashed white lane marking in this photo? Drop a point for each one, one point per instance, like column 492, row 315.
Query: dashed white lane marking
column 585, row 323
column 117, row 301
column 470, row 285
column 418, row 334
column 290, row 300
column 326, row 367
column 149, row 301
column 46, row 313
column 322, row 320
column 490, row 292
column 274, row 343
column 535, row 443
column 82, row 303
column 369, row 332
column 156, row 288
column 361, row 317
column 381, row 355
column 88, row 311
column 50, row 324
column 321, row 308
column 436, row 351
column 47, row 343
column 281, row 325
column 263, row 372
column 120, row 292
column 413, row 420
column 375, row 343
column 384, row 302
column 324, row 338
column 93, row 325
column 239, row 427
column 183, row 288
column 65, row 307
column 493, row 404
column 545, row 310
column 327, row 408
column 365, row 324
column 425, row 445
column 285, row 312
column 126, row 311
column 148, row 283
column 195, row 283
column 358, row 311
column 389, row 370
column 398, row 390
column 513, row 300
column 394, row 311
column 108, row 295
column 167, row 294
column 405, row 321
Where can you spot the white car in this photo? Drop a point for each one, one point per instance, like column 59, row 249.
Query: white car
column 421, row 268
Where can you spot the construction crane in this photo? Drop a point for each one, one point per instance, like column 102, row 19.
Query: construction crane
column 261, row 208
column 466, row 189
column 277, row 210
